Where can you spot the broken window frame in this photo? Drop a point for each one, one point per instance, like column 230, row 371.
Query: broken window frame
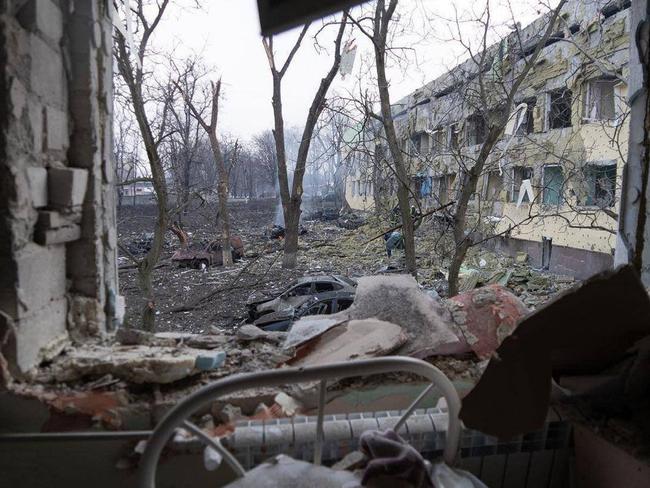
column 592, row 107
column 453, row 136
column 552, row 196
column 528, row 125
column 438, row 140
column 490, row 178
column 519, row 174
column 475, row 129
column 559, row 110
column 599, row 185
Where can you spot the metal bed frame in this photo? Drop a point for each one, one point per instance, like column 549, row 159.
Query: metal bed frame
column 177, row 417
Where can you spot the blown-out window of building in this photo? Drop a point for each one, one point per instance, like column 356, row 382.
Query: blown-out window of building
column 559, row 108
column 519, row 174
column 553, row 181
column 600, row 185
column 439, row 140
column 475, row 129
column 527, row 126
column 600, row 100
column 493, row 186
column 354, row 188
column 453, row 136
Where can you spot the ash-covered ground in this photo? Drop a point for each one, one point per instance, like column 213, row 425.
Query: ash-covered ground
column 191, row 300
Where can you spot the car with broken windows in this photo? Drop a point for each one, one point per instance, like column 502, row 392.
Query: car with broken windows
column 299, row 292
column 321, row 304
column 210, row 255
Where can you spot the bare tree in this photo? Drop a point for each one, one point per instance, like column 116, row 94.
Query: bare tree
column 210, row 128
column 378, row 35
column 130, row 60
column 292, row 198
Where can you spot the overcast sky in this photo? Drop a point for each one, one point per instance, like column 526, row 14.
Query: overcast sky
column 226, row 33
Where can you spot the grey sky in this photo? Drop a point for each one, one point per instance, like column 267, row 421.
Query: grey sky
column 226, row 33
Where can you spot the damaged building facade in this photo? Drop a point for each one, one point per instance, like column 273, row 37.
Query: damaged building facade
column 551, row 187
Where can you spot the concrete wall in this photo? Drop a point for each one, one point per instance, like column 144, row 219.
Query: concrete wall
column 57, row 217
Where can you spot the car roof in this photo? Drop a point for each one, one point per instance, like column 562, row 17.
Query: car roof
column 324, row 278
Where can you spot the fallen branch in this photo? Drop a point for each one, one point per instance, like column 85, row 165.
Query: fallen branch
column 229, row 286
column 426, row 214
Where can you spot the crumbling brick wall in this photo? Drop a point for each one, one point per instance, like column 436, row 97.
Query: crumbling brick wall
column 57, row 218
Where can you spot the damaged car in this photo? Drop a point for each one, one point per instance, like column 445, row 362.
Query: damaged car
column 301, row 291
column 321, row 304
column 210, row 255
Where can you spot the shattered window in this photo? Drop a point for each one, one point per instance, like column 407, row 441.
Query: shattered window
column 494, row 186
column 559, row 108
column 553, row 184
column 600, row 182
column 519, row 174
column 599, row 101
column 323, row 286
column 300, row 291
column 454, row 129
column 439, row 140
column 343, row 304
column 476, row 130
column 528, row 124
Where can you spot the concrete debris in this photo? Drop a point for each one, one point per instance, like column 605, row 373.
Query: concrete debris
column 399, row 300
column 136, row 364
column 356, row 339
column 485, row 316
column 136, row 337
column 249, row 332
column 308, row 328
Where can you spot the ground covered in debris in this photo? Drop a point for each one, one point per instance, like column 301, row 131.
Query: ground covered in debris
column 213, row 300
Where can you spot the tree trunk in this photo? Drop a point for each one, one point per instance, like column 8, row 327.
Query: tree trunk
column 222, row 192
column 291, row 232
column 381, row 28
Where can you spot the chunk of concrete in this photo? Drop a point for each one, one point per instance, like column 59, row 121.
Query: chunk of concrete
column 486, row 316
column 249, row 332
column 399, row 300
column 356, row 339
column 137, row 364
column 67, row 187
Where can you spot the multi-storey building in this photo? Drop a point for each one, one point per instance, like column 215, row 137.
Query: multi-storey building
column 551, row 185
